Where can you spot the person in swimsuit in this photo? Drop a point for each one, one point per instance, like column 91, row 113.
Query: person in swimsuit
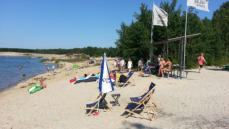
column 161, row 66
column 201, row 61
column 167, row 67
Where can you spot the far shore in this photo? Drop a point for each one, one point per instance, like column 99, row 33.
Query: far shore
column 44, row 56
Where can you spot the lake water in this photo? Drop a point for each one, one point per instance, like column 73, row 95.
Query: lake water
column 11, row 74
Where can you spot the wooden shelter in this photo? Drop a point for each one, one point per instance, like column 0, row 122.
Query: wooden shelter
column 182, row 54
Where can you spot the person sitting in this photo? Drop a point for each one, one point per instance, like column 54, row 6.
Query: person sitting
column 148, row 63
column 167, row 68
column 161, row 65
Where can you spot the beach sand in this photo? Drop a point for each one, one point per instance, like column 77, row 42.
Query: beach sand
column 199, row 102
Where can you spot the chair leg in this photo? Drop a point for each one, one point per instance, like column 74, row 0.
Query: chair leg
column 107, row 105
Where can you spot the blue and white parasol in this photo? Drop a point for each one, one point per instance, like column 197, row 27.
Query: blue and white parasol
column 105, row 84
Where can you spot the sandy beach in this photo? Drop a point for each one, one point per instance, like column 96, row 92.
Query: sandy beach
column 199, row 102
column 45, row 56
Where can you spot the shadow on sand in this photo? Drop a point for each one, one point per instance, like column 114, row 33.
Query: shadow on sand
column 217, row 69
column 192, row 71
column 129, row 125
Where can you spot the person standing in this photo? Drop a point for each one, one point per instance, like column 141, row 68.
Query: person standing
column 140, row 65
column 201, row 61
column 129, row 65
column 115, row 64
column 122, row 63
column 53, row 69
column 118, row 64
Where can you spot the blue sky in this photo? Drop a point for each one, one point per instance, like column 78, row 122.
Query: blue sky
column 70, row 23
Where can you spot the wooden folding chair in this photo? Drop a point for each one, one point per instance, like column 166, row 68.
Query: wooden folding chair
column 99, row 105
column 123, row 84
column 141, row 104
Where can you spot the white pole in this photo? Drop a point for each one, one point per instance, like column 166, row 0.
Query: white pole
column 185, row 36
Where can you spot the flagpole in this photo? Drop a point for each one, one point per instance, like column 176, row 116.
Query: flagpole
column 185, row 36
column 151, row 39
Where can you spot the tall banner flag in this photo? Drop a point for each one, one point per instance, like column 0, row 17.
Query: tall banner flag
column 160, row 17
column 199, row 4
column 105, row 84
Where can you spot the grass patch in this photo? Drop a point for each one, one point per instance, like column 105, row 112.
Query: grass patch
column 71, row 60
column 44, row 60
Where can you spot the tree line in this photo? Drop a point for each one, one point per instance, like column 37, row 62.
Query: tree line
column 91, row 51
column 213, row 41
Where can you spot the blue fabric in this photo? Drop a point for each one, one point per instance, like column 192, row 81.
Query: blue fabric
column 91, row 105
column 137, row 99
column 152, row 85
column 101, row 76
column 131, row 106
column 129, row 76
column 146, row 70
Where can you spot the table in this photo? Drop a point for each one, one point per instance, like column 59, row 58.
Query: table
column 115, row 97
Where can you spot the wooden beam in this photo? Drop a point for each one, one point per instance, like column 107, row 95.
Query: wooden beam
column 174, row 39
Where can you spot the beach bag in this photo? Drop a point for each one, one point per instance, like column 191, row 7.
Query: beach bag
column 122, row 78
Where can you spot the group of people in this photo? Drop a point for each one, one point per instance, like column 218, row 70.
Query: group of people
column 50, row 69
column 162, row 65
column 121, row 64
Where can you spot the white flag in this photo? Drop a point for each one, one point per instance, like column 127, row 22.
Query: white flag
column 160, row 17
column 199, row 4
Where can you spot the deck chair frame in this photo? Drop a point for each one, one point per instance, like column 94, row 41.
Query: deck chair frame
column 149, row 106
column 101, row 97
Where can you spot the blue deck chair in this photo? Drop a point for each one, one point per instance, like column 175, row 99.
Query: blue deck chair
column 147, row 70
column 137, row 99
column 142, row 104
column 99, row 105
column 123, row 84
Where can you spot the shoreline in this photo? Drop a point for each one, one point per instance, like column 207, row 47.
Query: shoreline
column 26, row 78
column 43, row 56
column 64, row 68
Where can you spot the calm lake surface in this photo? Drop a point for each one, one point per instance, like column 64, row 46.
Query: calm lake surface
column 17, row 69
